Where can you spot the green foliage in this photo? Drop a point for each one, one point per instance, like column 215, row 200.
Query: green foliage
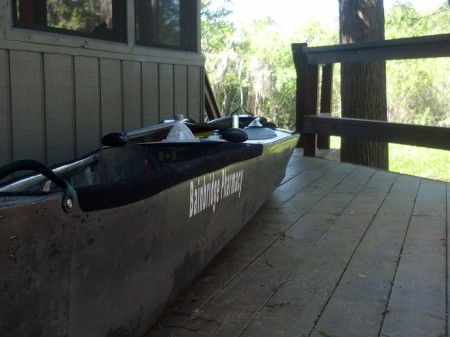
column 169, row 23
column 216, row 31
column 252, row 66
column 419, row 161
column 75, row 15
column 403, row 20
column 418, row 90
column 414, row 160
column 316, row 34
column 219, row 46
column 270, row 77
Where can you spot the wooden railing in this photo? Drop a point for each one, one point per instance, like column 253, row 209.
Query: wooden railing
column 314, row 122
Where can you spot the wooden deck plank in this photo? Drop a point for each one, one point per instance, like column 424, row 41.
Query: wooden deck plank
column 296, row 307
column 358, row 304
column 255, row 285
column 417, row 305
column 265, row 229
column 306, row 237
column 310, row 171
column 338, row 250
column 337, row 198
column 235, row 258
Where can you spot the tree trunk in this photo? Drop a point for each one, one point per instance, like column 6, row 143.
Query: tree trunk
column 363, row 85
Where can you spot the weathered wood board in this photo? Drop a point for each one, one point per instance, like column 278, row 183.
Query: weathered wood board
column 132, row 95
column 27, row 103
column 60, row 107
column 5, row 117
column 150, row 99
column 112, row 119
column 87, row 104
column 338, row 250
column 56, row 104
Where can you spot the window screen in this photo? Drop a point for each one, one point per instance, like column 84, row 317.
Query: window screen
column 166, row 23
column 102, row 19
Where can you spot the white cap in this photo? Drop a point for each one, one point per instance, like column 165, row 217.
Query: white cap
column 178, row 117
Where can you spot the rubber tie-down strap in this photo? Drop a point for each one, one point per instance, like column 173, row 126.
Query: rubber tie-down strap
column 69, row 194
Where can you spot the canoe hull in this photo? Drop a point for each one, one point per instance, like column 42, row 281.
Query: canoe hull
column 112, row 272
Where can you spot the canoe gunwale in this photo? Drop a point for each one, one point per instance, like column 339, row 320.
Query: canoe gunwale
column 126, row 190
column 24, row 183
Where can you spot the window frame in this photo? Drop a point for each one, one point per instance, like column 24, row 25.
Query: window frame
column 189, row 26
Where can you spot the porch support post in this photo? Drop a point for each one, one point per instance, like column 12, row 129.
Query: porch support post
column 306, row 96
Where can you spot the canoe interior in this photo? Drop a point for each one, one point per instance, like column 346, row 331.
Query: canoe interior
column 116, row 176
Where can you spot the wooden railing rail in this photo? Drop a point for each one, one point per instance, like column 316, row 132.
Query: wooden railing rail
column 311, row 121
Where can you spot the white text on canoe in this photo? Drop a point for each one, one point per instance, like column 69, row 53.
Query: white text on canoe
column 208, row 190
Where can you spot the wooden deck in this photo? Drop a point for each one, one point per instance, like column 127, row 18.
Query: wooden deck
column 339, row 250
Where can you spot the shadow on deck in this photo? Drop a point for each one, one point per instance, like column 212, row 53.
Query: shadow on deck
column 338, row 250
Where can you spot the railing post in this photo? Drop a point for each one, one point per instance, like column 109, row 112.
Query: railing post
column 306, row 96
column 323, row 141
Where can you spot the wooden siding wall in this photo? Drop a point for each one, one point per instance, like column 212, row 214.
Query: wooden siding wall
column 55, row 107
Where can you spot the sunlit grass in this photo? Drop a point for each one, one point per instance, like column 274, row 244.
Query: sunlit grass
column 414, row 160
column 420, row 161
